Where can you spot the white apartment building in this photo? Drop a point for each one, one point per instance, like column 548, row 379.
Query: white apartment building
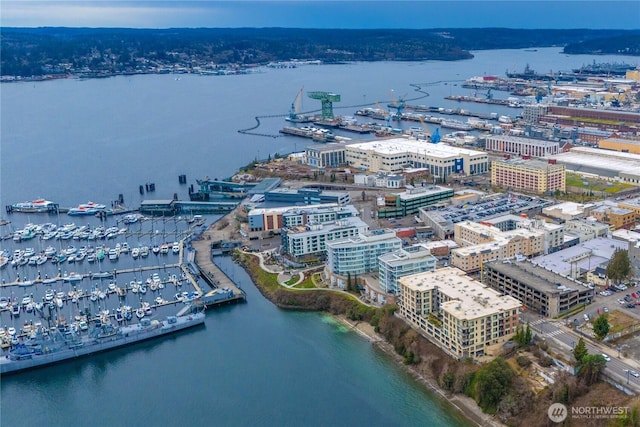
column 403, row 262
column 357, row 255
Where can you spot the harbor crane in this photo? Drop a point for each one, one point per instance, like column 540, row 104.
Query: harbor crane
column 397, row 104
column 295, row 105
column 327, row 100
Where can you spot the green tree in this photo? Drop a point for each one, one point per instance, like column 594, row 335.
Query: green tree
column 591, row 367
column 493, row 382
column 601, row 327
column 528, row 335
column 619, row 268
column 580, row 350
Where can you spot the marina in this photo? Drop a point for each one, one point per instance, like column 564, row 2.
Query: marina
column 56, row 291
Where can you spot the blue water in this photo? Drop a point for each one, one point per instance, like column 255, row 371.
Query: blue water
column 72, row 141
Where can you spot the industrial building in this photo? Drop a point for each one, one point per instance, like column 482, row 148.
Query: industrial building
column 325, row 155
column 620, row 144
column 460, row 315
column 582, row 258
column 538, row 289
column 566, row 211
column 395, row 154
column 605, row 163
column 521, row 146
column 535, row 176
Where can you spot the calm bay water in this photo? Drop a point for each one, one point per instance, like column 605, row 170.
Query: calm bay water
column 71, row 141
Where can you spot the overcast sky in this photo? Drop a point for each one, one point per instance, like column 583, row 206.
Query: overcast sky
column 592, row 14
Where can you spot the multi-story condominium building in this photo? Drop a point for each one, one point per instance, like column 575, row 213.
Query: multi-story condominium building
column 273, row 219
column 410, row 201
column 615, row 217
column 528, row 175
column 460, row 315
column 520, row 146
column 493, row 244
column 357, row 255
column 538, row 289
column 403, row 262
column 325, row 155
column 310, row 240
column 306, row 196
column 394, row 155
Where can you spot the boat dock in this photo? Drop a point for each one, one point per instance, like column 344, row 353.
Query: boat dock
column 224, row 290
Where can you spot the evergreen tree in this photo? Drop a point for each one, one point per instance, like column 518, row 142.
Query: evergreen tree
column 619, row 268
column 601, row 327
column 591, row 367
column 528, row 335
column 580, row 351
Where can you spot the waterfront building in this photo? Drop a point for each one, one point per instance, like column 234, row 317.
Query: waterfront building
column 606, row 164
column 520, row 146
column 566, row 211
column 310, row 240
column 538, row 289
column 535, row 176
column 403, row 262
column 356, row 255
column 395, row 154
column 306, row 196
column 577, row 260
column 265, row 221
column 325, row 155
column 460, row 315
column 410, row 201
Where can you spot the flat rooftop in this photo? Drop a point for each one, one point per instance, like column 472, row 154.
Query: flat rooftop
column 536, row 277
column 583, row 257
column 405, row 145
column 471, row 299
column 598, row 159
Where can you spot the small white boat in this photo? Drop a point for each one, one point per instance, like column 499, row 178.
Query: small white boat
column 4, row 302
column 155, row 249
column 175, row 248
column 140, row 313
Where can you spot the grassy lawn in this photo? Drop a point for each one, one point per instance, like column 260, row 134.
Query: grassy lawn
column 293, row 280
column 307, row 283
column 594, row 184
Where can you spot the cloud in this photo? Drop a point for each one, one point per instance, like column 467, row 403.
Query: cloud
column 155, row 14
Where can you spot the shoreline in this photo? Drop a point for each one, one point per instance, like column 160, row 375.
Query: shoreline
column 466, row 406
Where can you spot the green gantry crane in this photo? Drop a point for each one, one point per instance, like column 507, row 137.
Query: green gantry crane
column 327, row 100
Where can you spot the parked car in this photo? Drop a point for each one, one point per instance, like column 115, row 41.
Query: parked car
column 631, row 305
column 606, row 357
column 635, row 374
column 605, row 309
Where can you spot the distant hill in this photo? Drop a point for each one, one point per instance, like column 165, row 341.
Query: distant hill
column 106, row 51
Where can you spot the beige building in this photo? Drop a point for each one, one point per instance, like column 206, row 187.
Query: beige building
column 568, row 210
column 620, row 144
column 534, row 176
column 481, row 243
column 460, row 315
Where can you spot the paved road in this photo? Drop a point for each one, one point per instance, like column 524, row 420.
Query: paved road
column 555, row 330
